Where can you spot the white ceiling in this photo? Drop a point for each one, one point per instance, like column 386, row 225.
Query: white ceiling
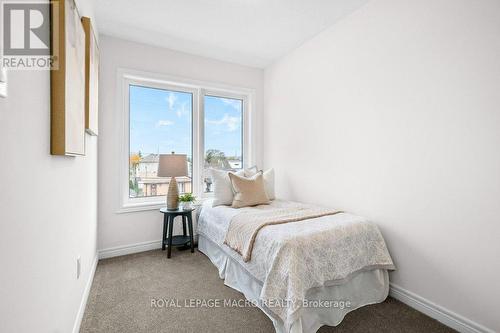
column 248, row 32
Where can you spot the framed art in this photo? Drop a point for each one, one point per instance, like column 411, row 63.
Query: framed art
column 3, row 80
column 67, row 81
column 91, row 77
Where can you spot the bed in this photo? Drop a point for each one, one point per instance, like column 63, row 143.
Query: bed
column 303, row 274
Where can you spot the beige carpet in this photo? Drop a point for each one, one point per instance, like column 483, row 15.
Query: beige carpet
column 120, row 301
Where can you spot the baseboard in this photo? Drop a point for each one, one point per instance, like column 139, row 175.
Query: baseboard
column 445, row 316
column 129, row 249
column 85, row 297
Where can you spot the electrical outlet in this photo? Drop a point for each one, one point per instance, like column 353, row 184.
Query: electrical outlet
column 78, row 267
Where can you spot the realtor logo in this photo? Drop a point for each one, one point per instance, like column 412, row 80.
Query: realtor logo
column 26, row 35
column 26, row 28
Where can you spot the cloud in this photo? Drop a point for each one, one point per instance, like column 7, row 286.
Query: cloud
column 162, row 123
column 234, row 103
column 171, row 99
column 231, row 123
column 182, row 110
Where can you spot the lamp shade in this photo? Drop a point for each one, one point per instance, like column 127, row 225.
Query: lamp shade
column 172, row 165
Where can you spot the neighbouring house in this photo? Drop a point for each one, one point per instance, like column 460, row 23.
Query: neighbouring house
column 149, row 184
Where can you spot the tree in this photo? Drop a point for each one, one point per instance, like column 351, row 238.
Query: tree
column 135, row 159
column 216, row 159
column 134, row 162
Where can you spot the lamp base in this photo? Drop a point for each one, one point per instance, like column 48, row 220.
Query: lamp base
column 173, row 195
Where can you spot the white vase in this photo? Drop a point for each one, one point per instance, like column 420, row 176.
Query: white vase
column 187, row 205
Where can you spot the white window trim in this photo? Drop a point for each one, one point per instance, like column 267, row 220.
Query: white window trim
column 199, row 89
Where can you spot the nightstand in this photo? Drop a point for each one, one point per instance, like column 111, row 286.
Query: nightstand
column 168, row 226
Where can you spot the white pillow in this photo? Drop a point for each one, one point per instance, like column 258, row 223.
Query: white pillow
column 223, row 189
column 252, row 171
column 268, row 176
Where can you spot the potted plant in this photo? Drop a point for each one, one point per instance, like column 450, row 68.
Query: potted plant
column 187, row 200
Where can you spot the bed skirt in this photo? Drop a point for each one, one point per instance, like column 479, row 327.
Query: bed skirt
column 362, row 289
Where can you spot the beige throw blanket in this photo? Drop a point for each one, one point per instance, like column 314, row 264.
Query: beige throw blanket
column 245, row 226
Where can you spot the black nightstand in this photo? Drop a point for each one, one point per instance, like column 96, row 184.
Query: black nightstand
column 168, row 225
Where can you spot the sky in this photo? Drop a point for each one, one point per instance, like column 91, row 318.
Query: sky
column 160, row 121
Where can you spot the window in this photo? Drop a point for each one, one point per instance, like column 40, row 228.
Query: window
column 223, row 136
column 208, row 123
column 160, row 123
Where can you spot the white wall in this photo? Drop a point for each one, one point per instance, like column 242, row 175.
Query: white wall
column 48, row 213
column 117, row 230
column 393, row 113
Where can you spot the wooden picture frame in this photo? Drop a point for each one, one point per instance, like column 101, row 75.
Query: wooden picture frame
column 67, row 80
column 3, row 80
column 91, row 77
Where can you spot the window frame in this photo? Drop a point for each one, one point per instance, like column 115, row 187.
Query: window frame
column 166, row 87
column 245, row 142
column 198, row 89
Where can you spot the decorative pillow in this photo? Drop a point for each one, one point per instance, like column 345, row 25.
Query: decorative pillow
column 268, row 176
column 248, row 191
column 249, row 172
column 268, row 180
column 223, row 190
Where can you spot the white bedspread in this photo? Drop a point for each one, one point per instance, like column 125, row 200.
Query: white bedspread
column 286, row 261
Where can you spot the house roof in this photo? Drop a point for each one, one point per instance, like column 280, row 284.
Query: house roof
column 150, row 158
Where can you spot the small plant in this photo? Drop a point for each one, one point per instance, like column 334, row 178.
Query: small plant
column 187, row 197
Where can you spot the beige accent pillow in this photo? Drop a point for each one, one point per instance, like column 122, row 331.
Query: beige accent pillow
column 268, row 176
column 248, row 191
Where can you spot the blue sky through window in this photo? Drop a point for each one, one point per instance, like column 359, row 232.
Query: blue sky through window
column 223, row 129
column 161, row 122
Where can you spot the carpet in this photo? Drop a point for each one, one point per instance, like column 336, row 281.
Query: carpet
column 146, row 292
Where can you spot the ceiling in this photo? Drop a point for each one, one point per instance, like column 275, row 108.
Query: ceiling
column 248, row 32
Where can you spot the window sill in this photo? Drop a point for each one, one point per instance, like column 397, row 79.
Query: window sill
column 140, row 206
column 132, row 207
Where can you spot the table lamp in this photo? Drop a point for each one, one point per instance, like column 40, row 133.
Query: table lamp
column 172, row 165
